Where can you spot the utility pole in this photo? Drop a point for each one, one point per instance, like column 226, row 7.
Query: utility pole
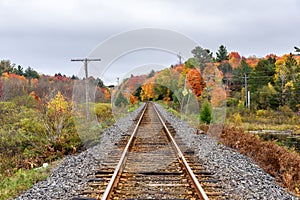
column 246, row 90
column 118, row 80
column 179, row 57
column 85, row 61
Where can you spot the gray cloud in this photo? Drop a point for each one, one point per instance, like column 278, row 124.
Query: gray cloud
column 46, row 34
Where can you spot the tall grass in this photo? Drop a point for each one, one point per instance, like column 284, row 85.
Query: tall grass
column 21, row 181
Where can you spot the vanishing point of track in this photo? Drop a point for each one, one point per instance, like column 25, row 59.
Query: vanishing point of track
column 155, row 164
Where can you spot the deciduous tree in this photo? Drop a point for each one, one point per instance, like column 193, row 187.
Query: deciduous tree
column 58, row 117
column 203, row 55
column 192, row 63
column 286, row 77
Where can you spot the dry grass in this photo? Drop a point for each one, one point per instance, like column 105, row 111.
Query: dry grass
column 281, row 163
column 255, row 126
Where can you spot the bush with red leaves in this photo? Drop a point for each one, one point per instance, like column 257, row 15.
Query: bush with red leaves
column 281, row 163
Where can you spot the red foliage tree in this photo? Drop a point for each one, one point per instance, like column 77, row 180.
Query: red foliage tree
column 134, row 82
column 179, row 68
column 234, row 59
column 272, row 56
column 252, row 61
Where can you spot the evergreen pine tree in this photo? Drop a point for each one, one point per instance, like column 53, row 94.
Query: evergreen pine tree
column 222, row 54
column 121, row 100
column 206, row 113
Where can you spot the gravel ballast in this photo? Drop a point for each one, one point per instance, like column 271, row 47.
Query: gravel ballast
column 240, row 177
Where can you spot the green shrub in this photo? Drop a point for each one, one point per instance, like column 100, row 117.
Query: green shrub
column 232, row 102
column 121, row 101
column 25, row 139
column 104, row 113
column 20, row 181
column 261, row 113
column 286, row 111
column 206, row 113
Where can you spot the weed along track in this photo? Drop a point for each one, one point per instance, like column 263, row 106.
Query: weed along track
column 155, row 164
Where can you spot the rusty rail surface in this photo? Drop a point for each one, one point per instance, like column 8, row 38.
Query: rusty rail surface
column 154, row 164
column 120, row 166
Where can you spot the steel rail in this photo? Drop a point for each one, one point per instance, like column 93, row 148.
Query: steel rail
column 117, row 171
column 189, row 171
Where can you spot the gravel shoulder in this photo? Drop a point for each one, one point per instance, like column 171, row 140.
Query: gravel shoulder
column 240, row 176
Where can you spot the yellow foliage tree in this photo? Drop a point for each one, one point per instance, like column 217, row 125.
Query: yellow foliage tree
column 147, row 91
column 57, row 116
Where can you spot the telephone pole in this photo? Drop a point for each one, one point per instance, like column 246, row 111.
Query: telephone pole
column 179, row 57
column 85, row 61
column 118, row 81
column 246, row 91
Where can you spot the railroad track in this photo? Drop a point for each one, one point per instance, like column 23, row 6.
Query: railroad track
column 155, row 164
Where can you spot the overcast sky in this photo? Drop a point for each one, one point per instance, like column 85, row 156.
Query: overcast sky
column 46, row 34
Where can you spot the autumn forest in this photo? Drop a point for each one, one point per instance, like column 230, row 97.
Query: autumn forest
column 38, row 119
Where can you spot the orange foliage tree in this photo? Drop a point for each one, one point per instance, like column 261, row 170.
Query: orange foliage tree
column 218, row 96
column 195, row 80
column 133, row 99
column 252, row 61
